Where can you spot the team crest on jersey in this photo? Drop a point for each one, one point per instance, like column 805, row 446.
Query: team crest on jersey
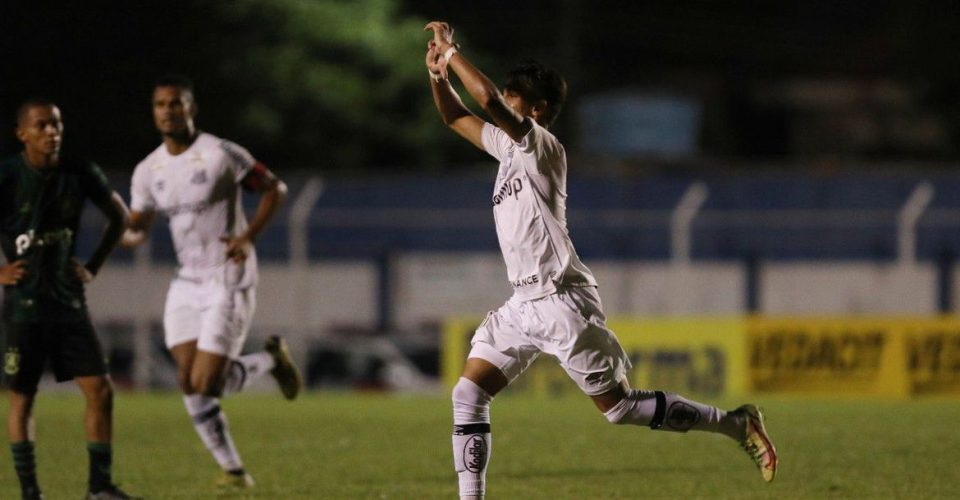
column 199, row 177
column 159, row 185
column 11, row 362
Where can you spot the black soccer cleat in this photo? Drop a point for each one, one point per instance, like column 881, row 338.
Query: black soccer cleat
column 112, row 492
column 31, row 493
column 284, row 369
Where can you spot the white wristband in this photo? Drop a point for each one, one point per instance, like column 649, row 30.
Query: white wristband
column 449, row 53
column 435, row 76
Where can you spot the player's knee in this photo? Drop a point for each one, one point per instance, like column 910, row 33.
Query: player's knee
column 207, row 385
column 21, row 405
column 470, row 401
column 183, row 381
column 617, row 412
column 100, row 395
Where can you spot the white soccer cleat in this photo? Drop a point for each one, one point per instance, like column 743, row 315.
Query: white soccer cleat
column 757, row 443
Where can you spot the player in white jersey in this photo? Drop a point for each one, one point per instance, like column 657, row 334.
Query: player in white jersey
column 555, row 308
column 195, row 179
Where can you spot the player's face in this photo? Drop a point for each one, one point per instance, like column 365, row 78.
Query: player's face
column 519, row 104
column 41, row 130
column 173, row 111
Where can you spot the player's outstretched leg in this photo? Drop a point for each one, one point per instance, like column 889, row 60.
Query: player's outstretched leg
column 756, row 442
column 275, row 359
column 284, row 369
column 671, row 412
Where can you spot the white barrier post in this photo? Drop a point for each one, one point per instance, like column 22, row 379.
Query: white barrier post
column 298, row 224
column 299, row 218
column 681, row 222
column 907, row 219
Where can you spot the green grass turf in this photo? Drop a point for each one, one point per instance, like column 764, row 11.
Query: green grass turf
column 359, row 446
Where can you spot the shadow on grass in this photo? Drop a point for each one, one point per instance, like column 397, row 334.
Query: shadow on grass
column 596, row 471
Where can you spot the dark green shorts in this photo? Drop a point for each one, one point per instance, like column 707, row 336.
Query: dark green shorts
column 71, row 346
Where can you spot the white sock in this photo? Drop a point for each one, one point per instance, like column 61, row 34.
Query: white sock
column 471, row 437
column 671, row 412
column 214, row 430
column 241, row 372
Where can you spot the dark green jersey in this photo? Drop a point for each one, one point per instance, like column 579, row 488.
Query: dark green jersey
column 39, row 216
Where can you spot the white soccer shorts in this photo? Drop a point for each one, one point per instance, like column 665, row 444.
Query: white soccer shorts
column 216, row 316
column 568, row 325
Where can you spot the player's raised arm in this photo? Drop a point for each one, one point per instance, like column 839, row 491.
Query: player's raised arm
column 455, row 115
column 481, row 88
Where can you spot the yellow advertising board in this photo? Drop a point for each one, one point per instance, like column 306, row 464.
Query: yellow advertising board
column 932, row 350
column 840, row 356
column 892, row 356
column 843, row 356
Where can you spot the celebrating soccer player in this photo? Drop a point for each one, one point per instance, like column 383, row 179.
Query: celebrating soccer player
column 44, row 309
column 555, row 308
column 194, row 178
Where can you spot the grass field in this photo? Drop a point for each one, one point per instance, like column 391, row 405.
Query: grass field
column 365, row 446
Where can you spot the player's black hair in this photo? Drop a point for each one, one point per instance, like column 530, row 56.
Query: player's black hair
column 534, row 81
column 27, row 105
column 176, row 80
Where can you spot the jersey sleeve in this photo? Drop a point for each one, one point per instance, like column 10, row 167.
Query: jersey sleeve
column 495, row 141
column 239, row 161
column 96, row 185
column 141, row 199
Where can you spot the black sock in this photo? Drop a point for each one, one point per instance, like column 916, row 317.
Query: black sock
column 101, row 459
column 25, row 464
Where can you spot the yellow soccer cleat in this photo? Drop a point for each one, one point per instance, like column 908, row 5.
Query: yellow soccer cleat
column 757, row 443
column 235, row 481
column 284, row 370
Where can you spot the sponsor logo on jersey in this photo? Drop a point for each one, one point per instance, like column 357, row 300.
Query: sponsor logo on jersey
column 24, row 242
column 508, row 189
column 11, row 362
column 682, row 417
column 28, row 240
column 195, row 207
column 475, row 453
column 199, row 177
column 526, row 281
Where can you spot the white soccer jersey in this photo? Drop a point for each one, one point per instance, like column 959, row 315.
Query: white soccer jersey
column 529, row 206
column 199, row 192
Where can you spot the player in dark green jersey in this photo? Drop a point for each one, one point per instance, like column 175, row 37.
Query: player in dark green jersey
column 44, row 310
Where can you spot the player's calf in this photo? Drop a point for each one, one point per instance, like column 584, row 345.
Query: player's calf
column 471, row 437
column 671, row 412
